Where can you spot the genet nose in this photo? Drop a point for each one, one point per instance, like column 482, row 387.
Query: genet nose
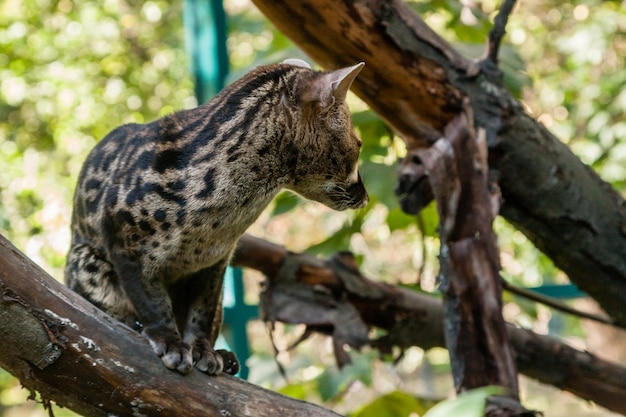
column 358, row 195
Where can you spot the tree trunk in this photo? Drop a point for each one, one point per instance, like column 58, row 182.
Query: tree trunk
column 58, row 344
column 417, row 83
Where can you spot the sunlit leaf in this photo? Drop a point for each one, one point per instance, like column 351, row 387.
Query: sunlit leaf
column 468, row 404
column 339, row 240
column 394, row 404
column 299, row 391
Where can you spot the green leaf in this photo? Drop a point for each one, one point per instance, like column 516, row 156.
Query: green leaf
column 394, row 404
column 397, row 219
column 300, row 391
column 468, row 404
column 334, row 381
column 340, row 240
column 330, row 383
column 379, row 179
column 429, row 220
column 284, row 202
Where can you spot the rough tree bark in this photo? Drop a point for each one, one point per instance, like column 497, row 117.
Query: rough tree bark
column 416, row 81
column 58, row 344
column 476, row 336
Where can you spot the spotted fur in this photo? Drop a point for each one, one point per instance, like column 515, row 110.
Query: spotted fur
column 159, row 207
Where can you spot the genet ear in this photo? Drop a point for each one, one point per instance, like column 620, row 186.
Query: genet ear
column 342, row 79
column 332, row 86
column 296, row 62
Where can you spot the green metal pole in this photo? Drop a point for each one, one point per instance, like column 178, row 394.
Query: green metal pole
column 205, row 31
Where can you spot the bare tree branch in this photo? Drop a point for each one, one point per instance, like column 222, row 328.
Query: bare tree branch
column 498, row 31
column 306, row 290
column 555, row 304
column 416, row 193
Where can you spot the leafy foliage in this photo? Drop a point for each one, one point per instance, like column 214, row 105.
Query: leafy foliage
column 70, row 72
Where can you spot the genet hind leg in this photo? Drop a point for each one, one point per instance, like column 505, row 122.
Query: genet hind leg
column 91, row 275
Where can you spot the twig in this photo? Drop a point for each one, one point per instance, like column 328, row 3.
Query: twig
column 557, row 305
column 270, row 327
column 499, row 29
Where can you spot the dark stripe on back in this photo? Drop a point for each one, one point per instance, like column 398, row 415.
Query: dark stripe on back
column 230, row 104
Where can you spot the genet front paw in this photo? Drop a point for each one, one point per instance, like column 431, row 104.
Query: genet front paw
column 174, row 353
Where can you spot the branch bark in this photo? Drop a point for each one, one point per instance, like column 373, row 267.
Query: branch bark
column 326, row 295
column 58, row 344
column 416, row 82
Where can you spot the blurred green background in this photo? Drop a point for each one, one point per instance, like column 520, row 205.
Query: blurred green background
column 70, row 71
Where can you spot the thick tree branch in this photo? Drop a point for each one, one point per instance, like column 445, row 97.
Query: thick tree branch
column 58, row 344
column 333, row 297
column 417, row 82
